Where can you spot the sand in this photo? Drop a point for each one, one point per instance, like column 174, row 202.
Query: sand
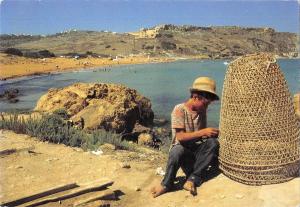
column 14, row 66
column 46, row 165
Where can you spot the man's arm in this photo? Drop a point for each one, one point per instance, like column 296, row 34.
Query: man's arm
column 183, row 136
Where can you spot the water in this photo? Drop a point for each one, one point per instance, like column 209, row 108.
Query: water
column 165, row 84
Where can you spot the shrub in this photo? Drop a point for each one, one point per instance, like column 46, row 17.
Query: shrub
column 39, row 54
column 54, row 129
column 31, row 55
column 101, row 136
column 148, row 47
column 13, row 122
column 62, row 113
column 13, row 51
column 168, row 45
column 45, row 54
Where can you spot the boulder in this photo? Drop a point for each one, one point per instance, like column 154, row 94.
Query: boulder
column 108, row 106
column 145, row 139
column 10, row 95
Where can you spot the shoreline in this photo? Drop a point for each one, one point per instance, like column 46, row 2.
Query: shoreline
column 14, row 67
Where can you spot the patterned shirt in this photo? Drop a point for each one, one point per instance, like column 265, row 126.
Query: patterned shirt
column 190, row 121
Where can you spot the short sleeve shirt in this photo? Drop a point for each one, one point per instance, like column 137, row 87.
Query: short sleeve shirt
column 184, row 118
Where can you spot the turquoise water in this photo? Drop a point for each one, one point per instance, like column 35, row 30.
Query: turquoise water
column 165, row 84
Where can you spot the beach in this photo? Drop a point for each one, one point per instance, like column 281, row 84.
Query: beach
column 15, row 66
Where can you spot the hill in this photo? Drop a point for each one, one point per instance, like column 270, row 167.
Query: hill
column 164, row 40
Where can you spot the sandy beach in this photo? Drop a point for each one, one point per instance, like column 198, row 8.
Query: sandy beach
column 14, row 66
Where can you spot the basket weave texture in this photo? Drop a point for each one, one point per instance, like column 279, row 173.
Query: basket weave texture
column 259, row 132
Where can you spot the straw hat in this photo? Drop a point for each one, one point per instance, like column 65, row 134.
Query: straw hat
column 205, row 84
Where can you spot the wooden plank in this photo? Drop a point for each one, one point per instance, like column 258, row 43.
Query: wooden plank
column 76, row 192
column 14, row 150
column 106, row 195
column 40, row 195
column 8, row 151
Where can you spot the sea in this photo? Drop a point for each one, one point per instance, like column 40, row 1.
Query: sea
column 165, row 84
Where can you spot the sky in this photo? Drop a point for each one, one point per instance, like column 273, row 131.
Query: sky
column 52, row 16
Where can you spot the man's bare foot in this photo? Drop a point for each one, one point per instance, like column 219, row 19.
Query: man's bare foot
column 190, row 186
column 158, row 190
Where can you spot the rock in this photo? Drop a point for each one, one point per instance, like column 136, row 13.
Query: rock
column 160, row 171
column 239, row 196
column 145, row 139
column 160, row 122
column 18, row 167
column 14, row 100
column 108, row 106
column 138, row 129
column 97, row 152
column 108, row 147
column 52, row 159
column 137, row 188
column 77, row 149
column 10, row 95
column 222, row 196
column 125, row 165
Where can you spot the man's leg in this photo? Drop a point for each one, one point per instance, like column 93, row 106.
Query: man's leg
column 187, row 163
column 204, row 154
column 175, row 155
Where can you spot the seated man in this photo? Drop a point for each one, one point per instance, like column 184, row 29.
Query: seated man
column 194, row 146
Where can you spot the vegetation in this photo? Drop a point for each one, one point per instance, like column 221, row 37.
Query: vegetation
column 54, row 128
column 13, row 51
column 214, row 42
column 39, row 54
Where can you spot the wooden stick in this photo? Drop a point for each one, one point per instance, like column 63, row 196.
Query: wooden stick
column 40, row 195
column 106, row 195
column 14, row 150
column 7, row 151
column 76, row 192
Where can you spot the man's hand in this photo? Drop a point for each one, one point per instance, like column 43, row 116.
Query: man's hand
column 183, row 136
column 208, row 132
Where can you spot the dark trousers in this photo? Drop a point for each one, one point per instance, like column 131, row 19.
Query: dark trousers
column 193, row 160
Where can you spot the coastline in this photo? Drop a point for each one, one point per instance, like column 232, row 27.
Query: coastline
column 13, row 67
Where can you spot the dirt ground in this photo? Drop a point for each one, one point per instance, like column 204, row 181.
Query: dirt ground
column 37, row 166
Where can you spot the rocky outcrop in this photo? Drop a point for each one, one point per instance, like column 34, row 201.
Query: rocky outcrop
column 10, row 95
column 109, row 106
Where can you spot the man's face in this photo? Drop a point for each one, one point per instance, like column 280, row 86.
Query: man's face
column 200, row 102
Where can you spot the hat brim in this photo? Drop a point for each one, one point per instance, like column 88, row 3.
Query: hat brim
column 216, row 97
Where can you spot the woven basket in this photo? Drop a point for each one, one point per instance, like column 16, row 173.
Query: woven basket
column 259, row 131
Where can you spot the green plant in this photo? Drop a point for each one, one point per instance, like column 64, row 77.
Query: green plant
column 53, row 128
column 62, row 113
column 101, row 136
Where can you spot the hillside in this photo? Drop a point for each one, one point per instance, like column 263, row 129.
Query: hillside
column 164, row 40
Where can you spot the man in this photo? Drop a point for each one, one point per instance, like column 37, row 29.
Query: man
column 194, row 146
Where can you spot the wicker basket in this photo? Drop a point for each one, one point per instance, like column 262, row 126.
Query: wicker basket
column 259, row 131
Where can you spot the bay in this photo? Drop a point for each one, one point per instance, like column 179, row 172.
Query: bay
column 165, row 84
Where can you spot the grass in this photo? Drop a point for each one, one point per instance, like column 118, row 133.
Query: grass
column 54, row 128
